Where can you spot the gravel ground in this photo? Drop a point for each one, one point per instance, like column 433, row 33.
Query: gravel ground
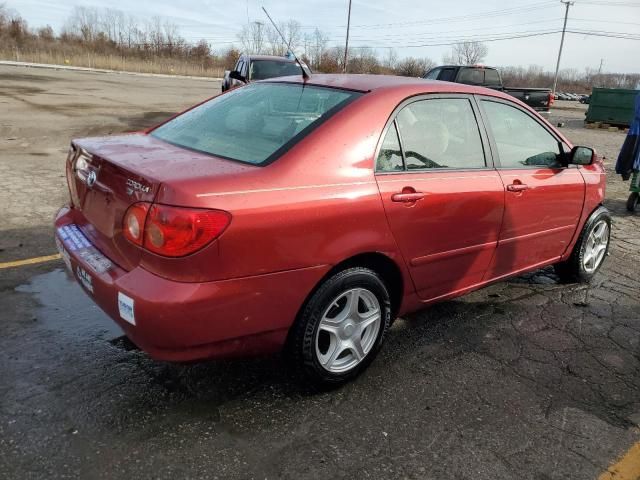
column 526, row 379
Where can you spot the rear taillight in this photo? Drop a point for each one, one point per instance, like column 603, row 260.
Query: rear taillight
column 551, row 99
column 173, row 231
column 133, row 224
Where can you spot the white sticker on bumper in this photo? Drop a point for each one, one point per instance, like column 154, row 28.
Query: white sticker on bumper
column 125, row 307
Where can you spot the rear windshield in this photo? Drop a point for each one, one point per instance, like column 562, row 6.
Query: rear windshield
column 256, row 123
column 263, row 69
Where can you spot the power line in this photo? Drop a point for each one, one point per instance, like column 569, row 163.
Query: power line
column 441, row 44
column 457, row 18
column 610, row 4
column 626, row 36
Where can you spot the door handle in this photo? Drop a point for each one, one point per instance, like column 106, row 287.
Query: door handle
column 407, row 197
column 517, row 187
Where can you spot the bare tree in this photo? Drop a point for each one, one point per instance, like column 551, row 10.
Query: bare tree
column 276, row 45
column 414, row 67
column 154, row 34
column 391, row 60
column 467, row 53
column 84, row 22
column 252, row 38
column 315, row 44
column 292, row 37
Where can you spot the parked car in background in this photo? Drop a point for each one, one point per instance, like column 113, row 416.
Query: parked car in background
column 307, row 215
column 585, row 99
column 540, row 99
column 250, row 68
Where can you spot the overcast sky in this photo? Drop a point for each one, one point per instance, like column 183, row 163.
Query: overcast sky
column 411, row 27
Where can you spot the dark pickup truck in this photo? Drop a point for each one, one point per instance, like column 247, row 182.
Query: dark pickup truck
column 539, row 99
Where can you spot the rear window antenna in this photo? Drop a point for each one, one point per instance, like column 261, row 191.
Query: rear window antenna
column 305, row 75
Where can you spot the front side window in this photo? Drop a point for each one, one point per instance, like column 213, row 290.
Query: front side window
column 254, row 124
column 440, row 133
column 521, row 141
column 263, row 69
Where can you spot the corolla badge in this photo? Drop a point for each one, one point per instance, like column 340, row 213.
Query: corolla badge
column 91, row 178
column 133, row 186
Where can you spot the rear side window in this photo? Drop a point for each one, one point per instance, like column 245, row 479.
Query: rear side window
column 447, row 75
column 521, row 141
column 256, row 123
column 471, row 76
column 440, row 133
column 390, row 156
column 491, row 77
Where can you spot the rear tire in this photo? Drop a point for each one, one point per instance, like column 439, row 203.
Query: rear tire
column 590, row 250
column 341, row 328
column 632, row 201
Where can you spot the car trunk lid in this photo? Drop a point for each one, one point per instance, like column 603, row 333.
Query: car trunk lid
column 107, row 175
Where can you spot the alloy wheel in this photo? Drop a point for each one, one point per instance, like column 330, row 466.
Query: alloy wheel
column 348, row 330
column 596, row 246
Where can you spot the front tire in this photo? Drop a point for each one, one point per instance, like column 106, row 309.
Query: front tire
column 590, row 250
column 341, row 327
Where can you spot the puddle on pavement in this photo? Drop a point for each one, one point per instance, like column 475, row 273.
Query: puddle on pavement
column 64, row 307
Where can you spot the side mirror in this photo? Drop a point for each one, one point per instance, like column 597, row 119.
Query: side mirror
column 236, row 75
column 582, row 156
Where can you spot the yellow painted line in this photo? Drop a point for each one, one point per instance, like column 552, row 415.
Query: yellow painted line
column 29, row 261
column 627, row 468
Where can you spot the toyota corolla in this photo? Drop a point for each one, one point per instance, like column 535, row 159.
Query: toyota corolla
column 306, row 214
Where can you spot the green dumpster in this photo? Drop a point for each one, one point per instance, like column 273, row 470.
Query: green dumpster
column 612, row 105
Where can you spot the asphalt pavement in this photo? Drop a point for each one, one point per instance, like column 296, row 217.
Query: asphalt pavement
column 525, row 379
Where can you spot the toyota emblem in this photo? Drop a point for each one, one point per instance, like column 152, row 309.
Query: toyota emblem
column 91, row 178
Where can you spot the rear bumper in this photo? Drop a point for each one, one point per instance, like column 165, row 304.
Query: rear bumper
column 179, row 321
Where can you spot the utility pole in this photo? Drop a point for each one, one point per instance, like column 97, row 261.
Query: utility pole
column 346, row 45
column 564, row 28
column 600, row 71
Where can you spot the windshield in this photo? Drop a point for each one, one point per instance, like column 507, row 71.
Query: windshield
column 263, row 69
column 256, row 123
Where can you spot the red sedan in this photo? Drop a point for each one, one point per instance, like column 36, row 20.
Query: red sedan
column 308, row 215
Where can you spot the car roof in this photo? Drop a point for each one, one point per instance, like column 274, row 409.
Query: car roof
column 271, row 57
column 371, row 83
column 486, row 67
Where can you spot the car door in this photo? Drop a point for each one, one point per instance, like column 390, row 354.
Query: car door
column 544, row 197
column 442, row 197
